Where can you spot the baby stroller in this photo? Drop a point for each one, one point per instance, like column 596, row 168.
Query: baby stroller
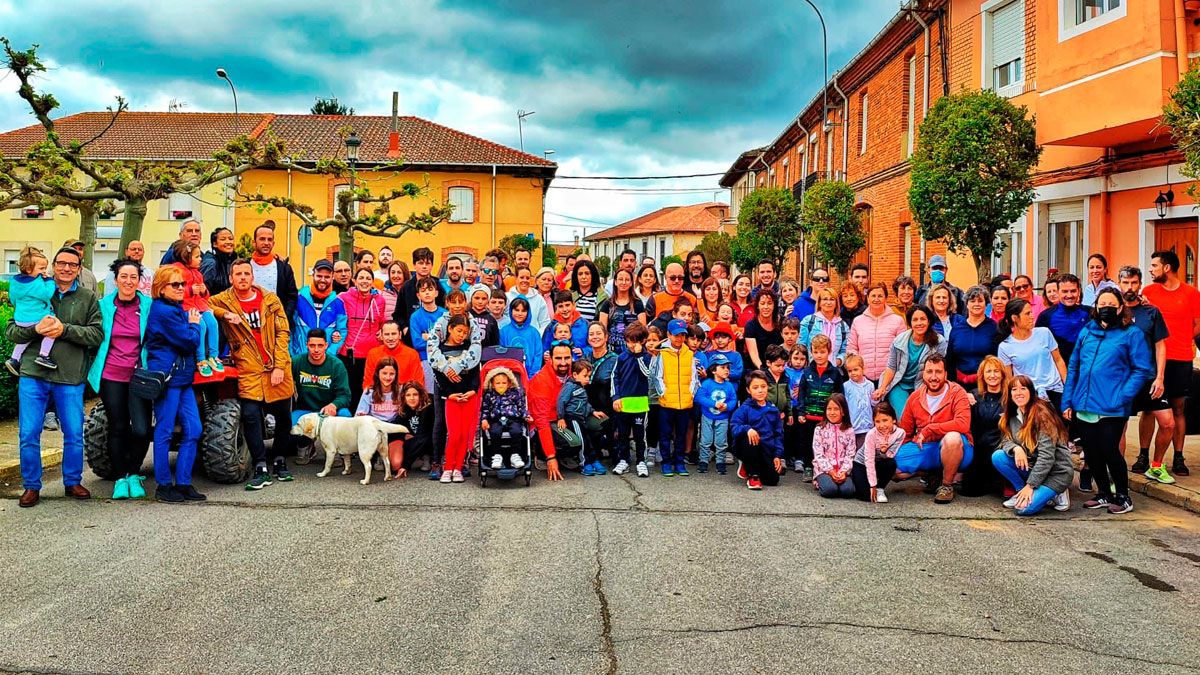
column 514, row 360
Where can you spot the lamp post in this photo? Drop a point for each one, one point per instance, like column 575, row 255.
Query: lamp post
column 225, row 76
column 352, row 144
column 546, row 153
column 521, row 115
column 825, row 62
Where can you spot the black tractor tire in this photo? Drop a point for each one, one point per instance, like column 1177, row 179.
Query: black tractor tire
column 95, row 443
column 223, row 450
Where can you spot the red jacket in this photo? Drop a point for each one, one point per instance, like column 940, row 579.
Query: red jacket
column 542, row 393
column 408, row 364
column 954, row 414
column 191, row 300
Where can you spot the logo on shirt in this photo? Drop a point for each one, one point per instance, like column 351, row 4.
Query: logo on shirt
column 313, row 380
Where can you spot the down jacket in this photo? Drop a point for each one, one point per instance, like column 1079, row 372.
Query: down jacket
column 871, row 338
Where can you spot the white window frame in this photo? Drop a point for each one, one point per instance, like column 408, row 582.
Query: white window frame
column 987, row 76
column 1076, row 231
column 11, row 258
column 1014, row 240
column 862, row 146
column 1068, row 12
column 461, row 213
column 337, row 191
column 45, row 214
column 906, row 229
column 180, row 202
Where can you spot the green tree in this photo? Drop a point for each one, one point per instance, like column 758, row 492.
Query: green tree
column 512, row 243
column 972, row 173
column 668, row 260
column 716, row 246
column 604, row 265
column 330, row 106
column 549, row 256
column 1181, row 115
column 768, row 228
column 832, row 224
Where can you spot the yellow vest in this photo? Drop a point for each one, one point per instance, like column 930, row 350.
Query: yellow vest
column 678, row 370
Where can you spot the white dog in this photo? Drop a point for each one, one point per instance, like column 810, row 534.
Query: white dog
column 363, row 436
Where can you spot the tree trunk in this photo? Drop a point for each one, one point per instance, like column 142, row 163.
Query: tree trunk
column 87, row 232
column 983, row 264
column 131, row 226
column 346, row 243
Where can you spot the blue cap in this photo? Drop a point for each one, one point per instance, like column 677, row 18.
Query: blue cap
column 677, row 327
column 718, row 359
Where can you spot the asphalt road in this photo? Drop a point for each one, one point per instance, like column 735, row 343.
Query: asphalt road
column 597, row 575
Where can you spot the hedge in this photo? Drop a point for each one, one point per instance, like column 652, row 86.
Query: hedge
column 8, row 383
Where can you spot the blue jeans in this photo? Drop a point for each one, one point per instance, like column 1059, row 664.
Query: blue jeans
column 209, row 335
column 1007, row 466
column 297, row 414
column 175, row 404
column 714, row 434
column 35, row 395
column 829, row 489
column 928, row 457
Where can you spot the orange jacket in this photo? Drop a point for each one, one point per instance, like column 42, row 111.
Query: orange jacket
column 408, row 364
column 954, row 414
column 542, row 395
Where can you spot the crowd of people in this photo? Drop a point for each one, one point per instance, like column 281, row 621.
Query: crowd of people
column 995, row 389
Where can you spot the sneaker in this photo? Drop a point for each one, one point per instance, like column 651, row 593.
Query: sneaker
column 1178, row 467
column 1142, row 463
column 447, row 476
column 457, row 477
column 282, row 473
column 1062, row 501
column 1121, row 504
column 14, row 367
column 598, row 468
column 204, row 368
column 216, row 365
column 189, row 493
column 753, row 483
column 668, row 470
column 808, row 474
column 517, row 461
column 1010, row 503
column 423, row 465
column 1085, row 483
column 880, row 496
column 703, row 467
column 1099, row 502
column 46, row 362
column 741, row 472
column 498, row 462
column 797, row 466
column 168, row 494
column 944, row 495
column 435, row 471
column 1159, row 473
column 721, row 470
column 136, row 491
column 681, row 469
column 588, row 469
column 50, row 422
column 121, row 489
column 643, row 471
column 621, row 467
column 260, row 479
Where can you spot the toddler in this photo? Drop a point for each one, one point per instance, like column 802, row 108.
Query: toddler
column 716, row 400
column 195, row 296
column 30, row 293
column 833, row 450
column 874, row 465
column 858, row 390
column 503, row 412
column 574, row 409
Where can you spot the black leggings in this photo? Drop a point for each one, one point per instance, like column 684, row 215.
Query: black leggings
column 128, row 427
column 885, row 468
column 630, row 426
column 254, row 421
column 1102, row 450
column 354, row 369
column 756, row 460
column 798, row 441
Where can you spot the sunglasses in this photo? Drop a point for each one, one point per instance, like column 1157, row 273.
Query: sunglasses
column 561, row 343
column 1022, row 287
column 675, row 277
column 820, row 280
column 176, row 284
column 489, row 271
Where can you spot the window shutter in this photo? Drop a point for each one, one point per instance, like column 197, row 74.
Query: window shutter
column 1008, row 33
column 462, row 200
column 1066, row 212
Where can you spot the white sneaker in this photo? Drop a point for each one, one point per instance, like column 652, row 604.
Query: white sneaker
column 498, row 462
column 446, row 477
column 516, row 461
column 643, row 471
column 880, row 496
column 798, row 466
column 621, row 467
column 1062, row 501
column 1011, row 502
column 457, row 477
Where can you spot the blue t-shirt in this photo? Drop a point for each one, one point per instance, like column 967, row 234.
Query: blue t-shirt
column 1065, row 323
column 419, row 324
column 969, row 344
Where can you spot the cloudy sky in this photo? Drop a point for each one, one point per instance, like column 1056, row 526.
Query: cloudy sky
column 619, row 88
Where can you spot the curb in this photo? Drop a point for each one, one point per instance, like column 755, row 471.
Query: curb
column 11, row 470
column 1171, row 494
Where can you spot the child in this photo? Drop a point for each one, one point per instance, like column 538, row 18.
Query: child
column 195, row 296
column 631, row 397
column 779, row 392
column 416, row 413
column 479, row 296
column 695, row 342
column 30, row 293
column 716, row 401
column 382, row 401
column 874, row 465
column 677, row 375
column 858, row 390
column 654, row 338
column 574, row 409
column 497, row 304
column 721, row 339
column 421, row 323
column 758, row 435
column 565, row 312
column 795, row 435
column 833, row 450
column 821, row 380
column 789, row 331
column 457, row 395
column 503, row 412
column 520, row 333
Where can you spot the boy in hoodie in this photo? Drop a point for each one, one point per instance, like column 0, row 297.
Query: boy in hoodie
column 678, row 380
column 519, row 333
column 631, row 398
column 421, row 321
column 716, row 399
column 721, row 337
column 503, row 412
column 820, row 380
column 565, row 312
column 574, row 409
column 758, row 435
column 478, row 296
column 498, row 306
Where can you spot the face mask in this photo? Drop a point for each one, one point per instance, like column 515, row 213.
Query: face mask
column 1107, row 315
column 937, row 276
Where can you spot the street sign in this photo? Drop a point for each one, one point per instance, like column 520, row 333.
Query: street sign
column 304, row 234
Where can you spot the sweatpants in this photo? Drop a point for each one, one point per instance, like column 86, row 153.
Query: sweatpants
column 757, row 460
column 885, row 469
column 714, row 438
column 1007, row 466
column 254, row 415
column 829, row 488
column 1102, row 452
column 177, row 404
column 672, row 434
column 630, row 426
column 128, row 427
column 460, row 432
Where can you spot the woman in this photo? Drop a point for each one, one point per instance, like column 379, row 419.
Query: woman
column 457, row 384
column 1033, row 457
column 1050, row 292
column 123, row 316
column 907, row 357
column 710, row 299
column 826, row 321
column 852, row 303
column 520, row 333
column 215, row 265
column 392, row 288
column 942, row 302
column 172, row 336
column 1109, row 365
column 789, row 291
column 365, row 315
column 1097, row 279
column 621, row 310
column 973, row 337
column 1026, row 350
column 1023, row 289
column 742, row 300
column 905, row 290
column 546, row 285
column 991, row 382
column 872, row 334
column 587, row 289
column 599, row 390
column 998, row 299
column 761, row 332
column 647, row 283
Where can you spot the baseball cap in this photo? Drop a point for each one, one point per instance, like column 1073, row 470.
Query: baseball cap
column 718, row 359
column 937, row 261
column 677, row 327
column 323, row 264
column 722, row 327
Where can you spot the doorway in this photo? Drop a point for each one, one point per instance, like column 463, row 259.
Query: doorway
column 1179, row 235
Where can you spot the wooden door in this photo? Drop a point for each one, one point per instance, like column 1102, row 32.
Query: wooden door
column 866, row 216
column 1179, row 236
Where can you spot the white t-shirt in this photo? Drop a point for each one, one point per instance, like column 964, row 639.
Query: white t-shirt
column 1032, row 357
column 934, row 402
column 266, row 276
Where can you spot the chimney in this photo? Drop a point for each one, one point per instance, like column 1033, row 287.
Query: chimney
column 394, row 135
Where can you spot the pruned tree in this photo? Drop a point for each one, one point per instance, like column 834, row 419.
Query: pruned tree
column 604, row 266
column 512, row 243
column 716, row 246
column 832, row 224
column 768, row 228
column 549, row 255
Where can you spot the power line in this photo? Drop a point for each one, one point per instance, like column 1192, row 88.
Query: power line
column 678, row 191
column 563, row 215
column 689, row 175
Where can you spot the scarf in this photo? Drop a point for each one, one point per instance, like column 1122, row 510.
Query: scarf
column 263, row 260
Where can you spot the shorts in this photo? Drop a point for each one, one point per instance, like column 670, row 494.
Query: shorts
column 1177, row 379
column 928, row 456
column 1143, row 403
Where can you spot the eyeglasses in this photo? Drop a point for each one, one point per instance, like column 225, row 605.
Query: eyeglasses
column 820, row 280
column 675, row 277
column 177, row 284
column 67, row 265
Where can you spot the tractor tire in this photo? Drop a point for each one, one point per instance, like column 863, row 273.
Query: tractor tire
column 223, row 450
column 95, row 443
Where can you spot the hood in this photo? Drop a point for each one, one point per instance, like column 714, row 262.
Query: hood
column 502, row 370
column 512, row 321
column 575, row 316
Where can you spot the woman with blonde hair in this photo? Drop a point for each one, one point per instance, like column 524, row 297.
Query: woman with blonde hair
column 991, row 381
column 1033, row 454
column 944, row 306
column 826, row 321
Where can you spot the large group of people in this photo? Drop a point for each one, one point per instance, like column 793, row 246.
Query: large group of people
column 989, row 389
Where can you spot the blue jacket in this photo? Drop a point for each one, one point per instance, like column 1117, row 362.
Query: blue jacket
column 765, row 420
column 816, row 389
column 711, row 393
column 631, row 376
column 736, row 367
column 332, row 318
column 170, row 342
column 108, row 309
column 523, row 336
column 579, row 330
column 30, row 297
column 803, row 305
column 1107, row 370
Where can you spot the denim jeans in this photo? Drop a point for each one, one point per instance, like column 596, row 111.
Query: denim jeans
column 176, row 404
column 208, row 347
column 35, row 396
column 714, row 434
column 1007, row 466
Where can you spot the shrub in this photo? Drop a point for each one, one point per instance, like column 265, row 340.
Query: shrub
column 8, row 383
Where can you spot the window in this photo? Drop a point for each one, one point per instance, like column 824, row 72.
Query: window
column 645, row 246
column 179, row 206
column 1012, row 258
column 829, row 154
column 906, row 232
column 1080, row 16
column 337, row 192
column 33, row 213
column 662, row 249
column 1004, row 40
column 1086, row 10
column 462, row 199
column 911, row 122
column 11, row 258
column 862, row 128
column 1063, row 239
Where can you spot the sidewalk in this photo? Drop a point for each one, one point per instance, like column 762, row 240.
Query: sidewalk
column 1185, row 493
column 10, row 457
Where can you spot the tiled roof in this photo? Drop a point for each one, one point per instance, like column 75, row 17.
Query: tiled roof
column 192, row 136
column 704, row 217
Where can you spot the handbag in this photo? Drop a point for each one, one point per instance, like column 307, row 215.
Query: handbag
column 148, row 384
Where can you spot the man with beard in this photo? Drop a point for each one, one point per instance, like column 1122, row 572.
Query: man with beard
column 271, row 272
column 342, row 271
column 697, row 271
column 216, row 264
column 385, row 261
column 860, row 274
column 455, row 280
column 318, row 307
column 1068, row 317
column 937, row 424
column 471, row 271
column 542, row 394
column 1151, row 402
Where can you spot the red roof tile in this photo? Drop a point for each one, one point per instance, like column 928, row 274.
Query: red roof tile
column 140, row 135
column 704, row 217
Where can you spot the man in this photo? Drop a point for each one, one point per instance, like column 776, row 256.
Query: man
column 455, row 279
column 697, row 270
column 542, row 394
column 520, row 262
column 663, row 302
column 937, row 275
column 322, row 386
column 1150, row 402
column 1179, row 304
column 136, row 252
column 77, row 329
column 1098, row 279
column 766, row 278
column 937, row 424
column 87, row 279
column 627, row 261
column 565, row 275
column 189, row 232
column 271, row 272
column 1068, row 317
column 860, row 275
column 647, row 260
column 341, row 276
column 539, row 312
column 807, row 302
column 256, row 325
column 422, row 260
column 385, row 261
column 408, row 361
column 489, row 272
column 471, row 271
column 365, row 259
column 318, row 308
column 215, row 264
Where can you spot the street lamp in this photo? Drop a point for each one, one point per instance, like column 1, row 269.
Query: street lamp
column 546, row 153
column 1162, row 201
column 225, row 76
column 825, row 56
column 521, row 115
column 352, row 144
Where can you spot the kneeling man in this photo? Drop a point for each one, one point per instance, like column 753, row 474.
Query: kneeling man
column 937, row 423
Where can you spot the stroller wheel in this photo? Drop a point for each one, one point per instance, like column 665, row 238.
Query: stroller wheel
column 528, row 477
column 482, row 480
